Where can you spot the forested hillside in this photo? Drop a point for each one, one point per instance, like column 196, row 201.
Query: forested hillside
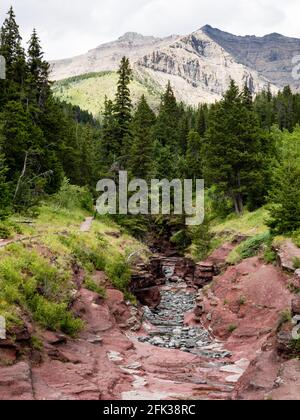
column 236, row 144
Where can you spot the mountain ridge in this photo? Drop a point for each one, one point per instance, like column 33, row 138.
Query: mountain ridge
column 199, row 65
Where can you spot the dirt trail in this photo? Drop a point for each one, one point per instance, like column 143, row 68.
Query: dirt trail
column 86, row 225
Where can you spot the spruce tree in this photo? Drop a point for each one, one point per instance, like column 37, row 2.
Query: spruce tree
column 284, row 195
column 236, row 151
column 11, row 49
column 194, row 156
column 123, row 104
column 201, row 119
column 166, row 129
column 141, row 154
column 38, row 73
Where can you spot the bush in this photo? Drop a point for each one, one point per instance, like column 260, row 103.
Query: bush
column 119, row 273
column 5, row 231
column 296, row 262
column 71, row 197
column 252, row 246
column 55, row 316
column 182, row 240
column 30, row 283
column 91, row 285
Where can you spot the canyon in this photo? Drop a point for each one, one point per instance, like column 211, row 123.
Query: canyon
column 208, row 331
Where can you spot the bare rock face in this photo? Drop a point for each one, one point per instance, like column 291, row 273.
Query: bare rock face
column 271, row 55
column 204, row 274
column 197, row 65
column 204, row 65
column 150, row 297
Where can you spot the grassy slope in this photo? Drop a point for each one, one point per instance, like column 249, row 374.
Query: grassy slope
column 37, row 278
column 89, row 91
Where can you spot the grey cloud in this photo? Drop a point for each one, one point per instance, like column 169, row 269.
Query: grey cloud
column 70, row 27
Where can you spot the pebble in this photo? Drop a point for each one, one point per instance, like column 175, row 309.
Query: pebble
column 171, row 332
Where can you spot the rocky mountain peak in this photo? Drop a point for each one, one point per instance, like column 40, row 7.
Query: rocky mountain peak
column 133, row 37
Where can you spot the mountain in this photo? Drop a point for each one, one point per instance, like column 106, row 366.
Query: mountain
column 199, row 66
column 271, row 56
column 107, row 57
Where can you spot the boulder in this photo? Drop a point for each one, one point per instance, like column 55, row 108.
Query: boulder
column 296, row 305
column 150, row 297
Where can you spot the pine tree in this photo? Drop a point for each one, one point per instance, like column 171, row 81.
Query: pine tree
column 141, row 156
column 194, row 156
column 285, row 192
column 38, row 72
column 123, row 104
column 201, row 120
column 236, row 151
column 166, row 129
column 202, row 237
column 4, row 187
column 11, row 49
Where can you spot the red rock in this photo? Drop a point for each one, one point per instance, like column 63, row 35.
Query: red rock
column 296, row 306
column 287, row 253
column 15, row 382
column 149, row 297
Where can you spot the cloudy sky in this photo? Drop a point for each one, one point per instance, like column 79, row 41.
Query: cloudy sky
column 70, row 27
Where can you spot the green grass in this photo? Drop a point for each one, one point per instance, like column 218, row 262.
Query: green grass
column 249, row 224
column 36, row 277
column 91, row 285
column 250, row 248
column 29, row 282
column 89, row 91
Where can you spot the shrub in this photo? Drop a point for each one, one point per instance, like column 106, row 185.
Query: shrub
column 119, row 273
column 28, row 282
column 252, row 246
column 91, row 285
column 5, row 231
column 296, row 262
column 232, row 328
column 54, row 316
column 71, row 197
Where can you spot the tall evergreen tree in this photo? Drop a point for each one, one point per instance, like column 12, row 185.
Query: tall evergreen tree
column 123, row 104
column 194, row 156
column 38, row 72
column 13, row 87
column 141, row 154
column 236, row 151
column 166, row 129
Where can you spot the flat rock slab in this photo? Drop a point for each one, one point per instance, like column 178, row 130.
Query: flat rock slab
column 288, row 252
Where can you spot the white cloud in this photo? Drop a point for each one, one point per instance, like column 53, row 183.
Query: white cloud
column 70, row 27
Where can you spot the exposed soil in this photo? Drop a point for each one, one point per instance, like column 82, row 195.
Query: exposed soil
column 166, row 352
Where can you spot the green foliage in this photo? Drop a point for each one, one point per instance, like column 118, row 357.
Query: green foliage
column 286, row 316
column 202, row 240
column 71, row 197
column 119, row 273
column 232, row 328
column 252, row 246
column 296, row 263
column 182, row 239
column 28, row 281
column 237, row 151
column 285, row 195
column 91, row 285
